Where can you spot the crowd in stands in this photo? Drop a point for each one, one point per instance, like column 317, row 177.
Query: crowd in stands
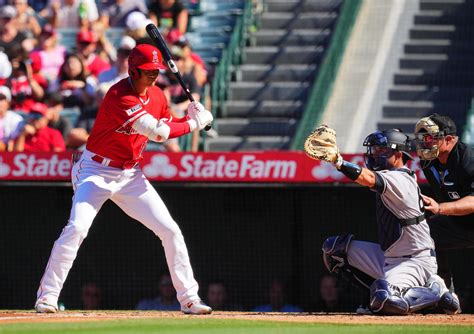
column 50, row 91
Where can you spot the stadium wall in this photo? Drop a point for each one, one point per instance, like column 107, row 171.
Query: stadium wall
column 244, row 235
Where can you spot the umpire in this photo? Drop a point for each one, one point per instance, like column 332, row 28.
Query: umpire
column 448, row 165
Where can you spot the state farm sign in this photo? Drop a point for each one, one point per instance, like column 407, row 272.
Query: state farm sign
column 224, row 166
column 281, row 167
column 35, row 166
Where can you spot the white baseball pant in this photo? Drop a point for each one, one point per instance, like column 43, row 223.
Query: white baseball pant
column 93, row 184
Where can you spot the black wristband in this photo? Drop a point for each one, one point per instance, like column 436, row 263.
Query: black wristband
column 350, row 170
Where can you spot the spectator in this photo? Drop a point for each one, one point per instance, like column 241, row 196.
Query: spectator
column 193, row 63
column 217, row 297
column 74, row 83
column 277, row 300
column 5, row 68
column 72, row 13
column 179, row 98
column 330, row 299
column 86, row 42
column 169, row 15
column 10, row 122
column 26, row 19
column 38, row 5
column 115, row 14
column 105, row 49
column 36, row 136
column 26, row 83
column 91, row 296
column 52, row 54
column 136, row 27
column 166, row 301
column 54, row 101
column 9, row 34
column 119, row 70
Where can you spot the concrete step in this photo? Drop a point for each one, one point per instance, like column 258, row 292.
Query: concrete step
column 407, row 109
column 268, row 91
column 426, row 46
column 421, row 46
column 435, row 62
column 296, row 37
column 406, row 124
column 298, row 5
column 252, row 143
column 428, row 93
column 420, row 77
column 441, row 17
column 207, row 20
column 256, row 126
column 296, row 72
column 283, row 55
column 288, row 109
column 444, row 5
column 432, row 31
column 290, row 20
column 419, row 109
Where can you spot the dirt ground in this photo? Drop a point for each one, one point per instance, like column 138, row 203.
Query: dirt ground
column 346, row 318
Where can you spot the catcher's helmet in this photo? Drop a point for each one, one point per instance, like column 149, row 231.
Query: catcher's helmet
column 144, row 57
column 386, row 142
column 428, row 131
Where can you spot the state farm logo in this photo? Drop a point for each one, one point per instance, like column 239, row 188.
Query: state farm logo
column 246, row 167
column 4, row 168
column 160, row 166
column 29, row 165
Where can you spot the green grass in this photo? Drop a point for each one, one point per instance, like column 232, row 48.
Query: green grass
column 220, row 326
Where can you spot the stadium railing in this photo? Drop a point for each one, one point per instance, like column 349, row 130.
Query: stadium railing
column 322, row 87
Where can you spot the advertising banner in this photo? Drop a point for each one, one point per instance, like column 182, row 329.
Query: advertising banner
column 226, row 167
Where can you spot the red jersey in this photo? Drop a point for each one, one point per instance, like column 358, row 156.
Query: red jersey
column 112, row 135
column 45, row 140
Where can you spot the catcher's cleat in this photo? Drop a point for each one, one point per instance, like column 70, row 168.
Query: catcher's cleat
column 364, row 310
column 42, row 306
column 448, row 301
column 196, row 307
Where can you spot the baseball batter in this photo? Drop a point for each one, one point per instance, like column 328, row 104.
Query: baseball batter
column 400, row 270
column 134, row 111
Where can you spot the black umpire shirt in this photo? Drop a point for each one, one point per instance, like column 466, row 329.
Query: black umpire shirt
column 454, row 180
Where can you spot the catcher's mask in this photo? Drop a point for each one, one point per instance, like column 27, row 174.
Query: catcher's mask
column 381, row 145
column 429, row 132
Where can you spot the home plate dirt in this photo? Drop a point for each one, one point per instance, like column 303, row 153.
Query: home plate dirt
column 344, row 318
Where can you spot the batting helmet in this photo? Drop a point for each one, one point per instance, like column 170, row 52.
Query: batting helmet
column 390, row 141
column 144, row 57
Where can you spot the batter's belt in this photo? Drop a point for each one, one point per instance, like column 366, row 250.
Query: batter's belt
column 114, row 163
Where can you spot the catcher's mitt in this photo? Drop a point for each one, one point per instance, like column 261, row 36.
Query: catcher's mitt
column 321, row 144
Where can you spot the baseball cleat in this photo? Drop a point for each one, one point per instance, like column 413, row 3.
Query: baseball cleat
column 196, row 307
column 448, row 302
column 364, row 310
column 42, row 306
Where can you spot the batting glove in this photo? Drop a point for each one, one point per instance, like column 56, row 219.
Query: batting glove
column 199, row 114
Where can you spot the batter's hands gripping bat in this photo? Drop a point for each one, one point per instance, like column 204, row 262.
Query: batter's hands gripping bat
column 160, row 43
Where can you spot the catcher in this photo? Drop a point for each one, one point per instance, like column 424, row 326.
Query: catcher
column 399, row 270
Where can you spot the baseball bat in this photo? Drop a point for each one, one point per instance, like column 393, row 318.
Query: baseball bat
column 160, row 43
